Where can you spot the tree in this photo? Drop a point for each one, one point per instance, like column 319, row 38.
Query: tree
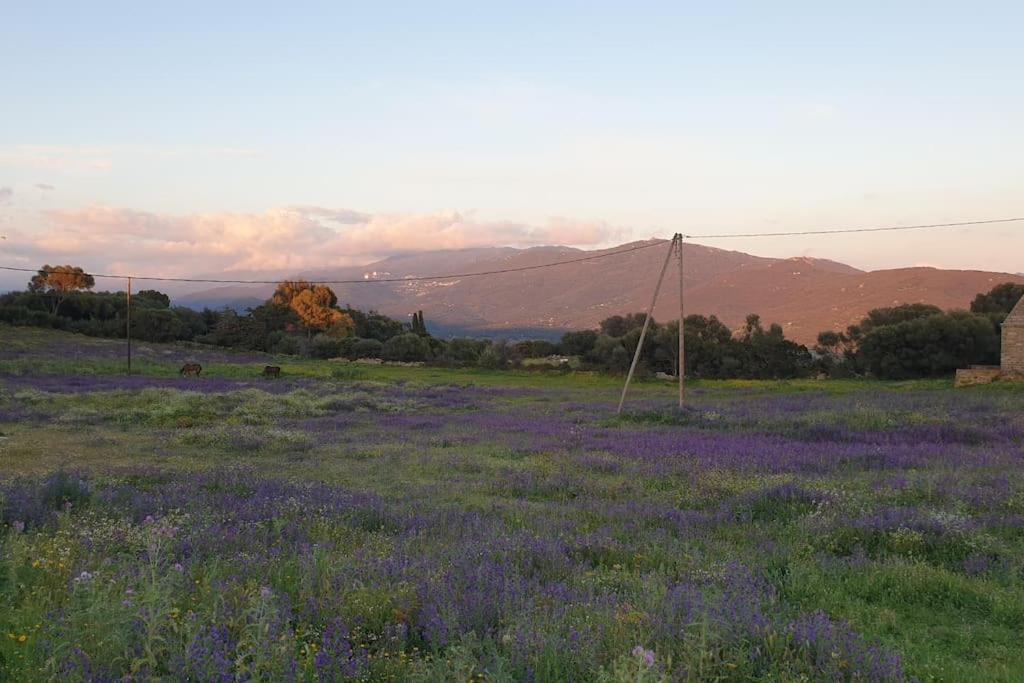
column 499, row 354
column 999, row 301
column 406, row 347
column 465, row 350
column 535, row 348
column 373, row 325
column 619, row 326
column 880, row 317
column 768, row 354
column 317, row 313
column 59, row 281
column 315, row 305
column 268, row 323
column 836, row 351
column 418, row 326
column 365, row 348
column 710, row 349
column 153, row 298
column 229, row 330
column 289, row 289
column 929, row 346
column 666, row 346
column 158, row 325
column 609, row 353
column 579, row 343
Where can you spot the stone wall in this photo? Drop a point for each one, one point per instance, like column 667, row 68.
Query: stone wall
column 976, row 374
column 1013, row 349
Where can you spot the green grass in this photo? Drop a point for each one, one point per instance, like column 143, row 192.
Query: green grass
column 909, row 592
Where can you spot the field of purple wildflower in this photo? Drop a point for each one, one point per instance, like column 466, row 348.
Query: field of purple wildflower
column 369, row 524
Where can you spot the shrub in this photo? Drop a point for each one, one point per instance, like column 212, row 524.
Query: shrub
column 407, row 347
column 364, row 348
column 464, row 350
column 325, row 346
column 283, row 343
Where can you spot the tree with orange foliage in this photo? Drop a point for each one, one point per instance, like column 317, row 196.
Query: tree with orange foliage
column 315, row 305
column 60, row 281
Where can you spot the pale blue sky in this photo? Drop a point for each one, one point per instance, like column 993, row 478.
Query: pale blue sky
column 178, row 136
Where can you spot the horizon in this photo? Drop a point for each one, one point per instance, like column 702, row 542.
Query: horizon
column 188, row 293
column 205, row 140
column 11, row 281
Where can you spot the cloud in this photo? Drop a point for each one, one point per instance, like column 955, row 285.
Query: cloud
column 45, row 187
column 56, row 157
column 90, row 159
column 294, row 238
column 5, row 194
column 344, row 216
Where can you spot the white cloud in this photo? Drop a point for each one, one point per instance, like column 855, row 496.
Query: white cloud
column 5, row 194
column 101, row 237
column 55, row 157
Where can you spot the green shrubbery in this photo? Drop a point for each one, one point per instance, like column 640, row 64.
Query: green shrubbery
column 901, row 342
column 919, row 340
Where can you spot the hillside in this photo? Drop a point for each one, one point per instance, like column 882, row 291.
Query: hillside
column 804, row 295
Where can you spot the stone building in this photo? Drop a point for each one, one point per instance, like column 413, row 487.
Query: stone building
column 1012, row 362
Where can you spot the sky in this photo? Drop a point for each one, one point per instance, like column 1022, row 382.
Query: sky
column 226, row 138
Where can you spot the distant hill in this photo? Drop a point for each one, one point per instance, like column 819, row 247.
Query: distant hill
column 804, row 295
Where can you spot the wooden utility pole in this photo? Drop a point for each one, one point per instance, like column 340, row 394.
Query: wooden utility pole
column 682, row 315
column 647, row 322
column 128, row 322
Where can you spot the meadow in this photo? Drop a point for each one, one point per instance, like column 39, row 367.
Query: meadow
column 349, row 522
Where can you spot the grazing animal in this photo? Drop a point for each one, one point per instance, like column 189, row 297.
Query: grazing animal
column 271, row 371
column 190, row 370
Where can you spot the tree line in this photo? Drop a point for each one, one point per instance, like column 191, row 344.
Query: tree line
column 920, row 340
column 302, row 318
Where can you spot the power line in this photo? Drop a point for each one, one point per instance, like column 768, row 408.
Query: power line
column 520, row 269
column 843, row 231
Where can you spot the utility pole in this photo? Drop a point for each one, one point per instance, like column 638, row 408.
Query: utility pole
column 647, row 322
column 128, row 322
column 682, row 315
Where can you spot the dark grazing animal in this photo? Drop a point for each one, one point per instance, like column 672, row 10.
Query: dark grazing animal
column 190, row 370
column 271, row 371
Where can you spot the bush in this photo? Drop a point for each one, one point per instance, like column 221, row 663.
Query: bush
column 325, row 346
column 500, row 354
column 465, row 350
column 536, row 348
column 364, row 348
column 283, row 343
column 406, row 348
column 930, row 346
column 22, row 315
column 579, row 343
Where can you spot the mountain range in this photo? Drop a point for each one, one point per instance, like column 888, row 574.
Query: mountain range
column 804, row 295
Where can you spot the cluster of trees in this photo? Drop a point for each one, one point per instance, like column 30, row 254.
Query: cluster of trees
column 299, row 318
column 302, row 318
column 913, row 340
column 59, row 297
column 712, row 349
column 920, row 340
